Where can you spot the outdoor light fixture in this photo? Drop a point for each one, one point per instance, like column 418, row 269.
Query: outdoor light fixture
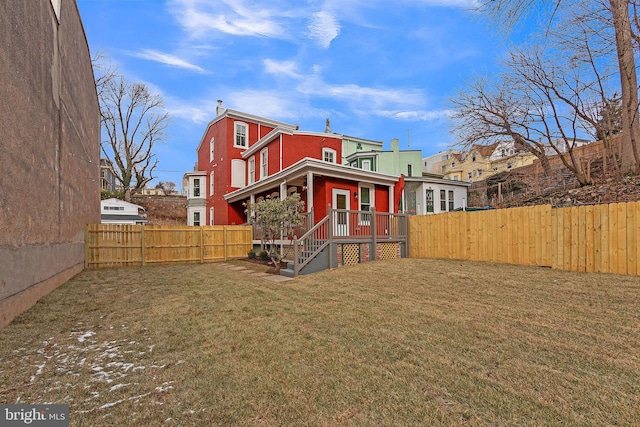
column 355, row 194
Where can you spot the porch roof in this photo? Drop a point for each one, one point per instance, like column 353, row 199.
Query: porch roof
column 299, row 170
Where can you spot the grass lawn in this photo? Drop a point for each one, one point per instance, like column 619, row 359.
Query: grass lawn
column 406, row 342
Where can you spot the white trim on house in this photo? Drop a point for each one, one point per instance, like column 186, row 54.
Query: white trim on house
column 314, row 166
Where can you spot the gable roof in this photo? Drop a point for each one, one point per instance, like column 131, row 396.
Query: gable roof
column 485, row 150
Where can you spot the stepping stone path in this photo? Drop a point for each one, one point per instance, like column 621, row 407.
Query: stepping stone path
column 266, row 276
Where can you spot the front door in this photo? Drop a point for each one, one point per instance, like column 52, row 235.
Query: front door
column 341, row 219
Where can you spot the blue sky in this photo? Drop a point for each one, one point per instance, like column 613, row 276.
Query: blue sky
column 378, row 69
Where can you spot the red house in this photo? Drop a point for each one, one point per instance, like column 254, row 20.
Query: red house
column 243, row 158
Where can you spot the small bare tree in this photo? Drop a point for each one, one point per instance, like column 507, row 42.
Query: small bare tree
column 277, row 218
column 133, row 120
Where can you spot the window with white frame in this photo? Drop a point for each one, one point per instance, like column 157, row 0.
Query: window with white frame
column 264, row 163
column 252, row 170
column 366, row 165
column 241, row 134
column 211, row 187
column 196, row 187
column 365, row 201
column 451, row 200
column 196, row 218
column 329, row 155
column 409, row 170
column 211, row 150
column 429, row 201
column 211, row 217
column 443, row 200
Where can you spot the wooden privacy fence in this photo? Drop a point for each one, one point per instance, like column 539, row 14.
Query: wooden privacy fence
column 112, row 245
column 598, row 238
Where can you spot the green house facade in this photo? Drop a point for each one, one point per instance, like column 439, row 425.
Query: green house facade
column 368, row 155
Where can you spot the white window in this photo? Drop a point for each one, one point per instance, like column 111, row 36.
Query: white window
column 453, row 165
column 211, row 150
column 196, row 218
column 409, row 170
column 264, row 163
column 450, row 200
column 195, row 188
column 241, row 132
column 469, row 175
column 329, row 155
column 473, row 157
column 211, row 217
column 443, row 200
column 455, row 178
column 211, row 188
column 365, row 202
column 366, row 165
column 238, row 173
column 509, row 165
column 252, row 170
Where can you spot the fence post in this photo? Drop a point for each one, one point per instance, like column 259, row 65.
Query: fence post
column 142, row 245
column 295, row 256
column 330, row 235
column 374, row 235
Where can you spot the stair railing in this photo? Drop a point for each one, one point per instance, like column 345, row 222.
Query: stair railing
column 311, row 244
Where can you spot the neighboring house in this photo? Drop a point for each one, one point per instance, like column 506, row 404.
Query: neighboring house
column 483, row 161
column 193, row 188
column 427, row 195
column 432, row 165
column 50, row 161
column 116, row 211
column 394, row 162
column 243, row 159
column 107, row 175
column 151, row 192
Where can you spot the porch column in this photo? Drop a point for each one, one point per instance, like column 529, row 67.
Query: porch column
column 309, row 191
column 283, row 190
column 392, row 208
column 252, row 202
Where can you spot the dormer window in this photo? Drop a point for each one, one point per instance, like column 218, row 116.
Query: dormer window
column 329, row 155
column 241, row 132
column 473, row 157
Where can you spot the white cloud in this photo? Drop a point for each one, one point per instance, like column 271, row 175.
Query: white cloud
column 415, row 115
column 200, row 18
column 323, row 28
column 287, row 68
column 167, row 59
column 373, row 98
